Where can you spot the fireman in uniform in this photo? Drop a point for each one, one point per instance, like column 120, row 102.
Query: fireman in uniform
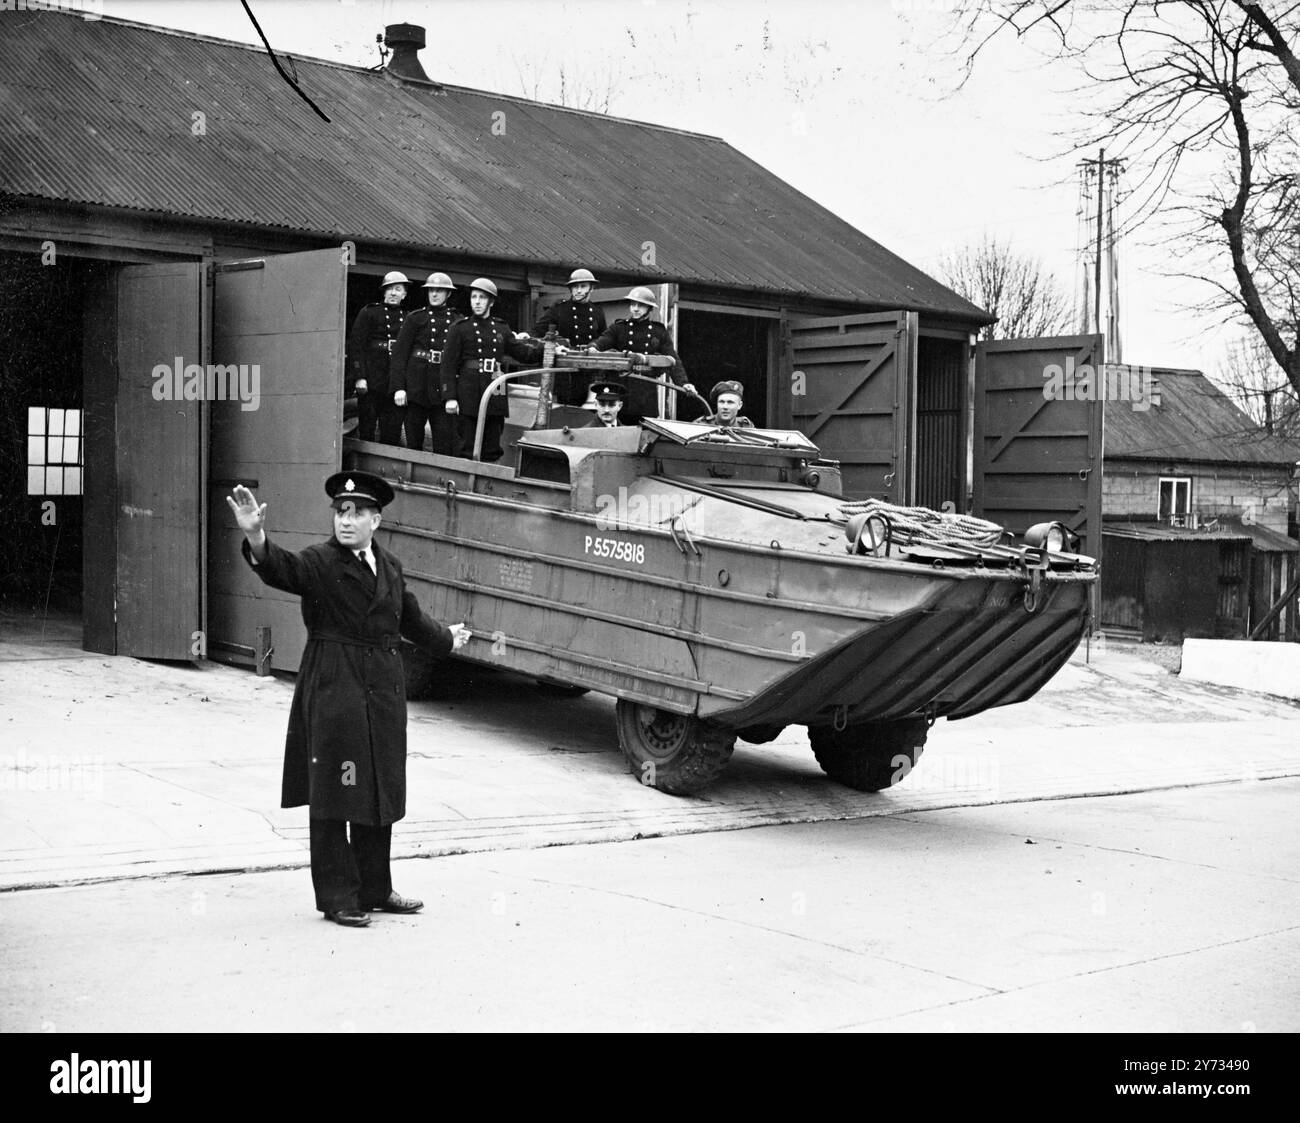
column 370, row 346
column 640, row 334
column 578, row 322
column 415, row 377
column 727, row 398
column 471, row 359
column 609, row 401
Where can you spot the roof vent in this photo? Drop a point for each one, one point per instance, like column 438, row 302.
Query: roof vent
column 405, row 40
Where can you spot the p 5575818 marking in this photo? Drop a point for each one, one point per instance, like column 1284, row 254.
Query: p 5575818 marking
column 615, row 548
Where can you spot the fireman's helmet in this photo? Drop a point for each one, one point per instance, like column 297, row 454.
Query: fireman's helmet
column 439, row 281
column 581, row 276
column 484, row 285
column 642, row 295
column 395, row 278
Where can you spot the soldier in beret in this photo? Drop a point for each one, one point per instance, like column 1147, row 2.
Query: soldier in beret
column 471, row 359
column 415, row 377
column 727, row 399
column 577, row 322
column 345, row 753
column 609, row 402
column 644, row 336
column 370, row 347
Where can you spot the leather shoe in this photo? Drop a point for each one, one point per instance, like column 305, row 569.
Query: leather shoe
column 395, row 903
column 349, row 918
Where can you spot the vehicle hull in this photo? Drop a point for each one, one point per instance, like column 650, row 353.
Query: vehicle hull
column 743, row 621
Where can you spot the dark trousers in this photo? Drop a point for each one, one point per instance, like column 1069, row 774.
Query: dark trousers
column 381, row 411
column 349, row 874
column 439, row 421
column 492, row 431
column 572, row 389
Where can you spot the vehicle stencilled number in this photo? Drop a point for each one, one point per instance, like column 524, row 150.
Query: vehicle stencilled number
column 616, row 549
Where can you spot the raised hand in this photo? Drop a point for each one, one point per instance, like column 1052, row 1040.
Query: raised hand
column 248, row 514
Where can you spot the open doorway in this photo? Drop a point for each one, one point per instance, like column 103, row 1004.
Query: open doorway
column 717, row 347
column 42, row 435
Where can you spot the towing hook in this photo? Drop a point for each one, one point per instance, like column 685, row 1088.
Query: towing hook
column 1034, row 597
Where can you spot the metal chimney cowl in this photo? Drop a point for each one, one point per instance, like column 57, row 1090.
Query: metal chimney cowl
column 405, row 40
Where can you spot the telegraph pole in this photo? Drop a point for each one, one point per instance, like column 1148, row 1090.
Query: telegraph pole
column 1101, row 240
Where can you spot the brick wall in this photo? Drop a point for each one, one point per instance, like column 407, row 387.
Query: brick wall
column 1130, row 489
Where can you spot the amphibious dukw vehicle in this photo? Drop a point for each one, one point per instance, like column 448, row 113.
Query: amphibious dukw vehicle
column 716, row 583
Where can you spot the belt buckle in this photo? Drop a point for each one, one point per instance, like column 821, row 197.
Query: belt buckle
column 435, row 356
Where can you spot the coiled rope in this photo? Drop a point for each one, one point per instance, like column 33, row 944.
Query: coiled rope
column 925, row 524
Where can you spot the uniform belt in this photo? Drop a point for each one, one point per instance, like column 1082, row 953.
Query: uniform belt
column 432, row 356
column 383, row 344
column 486, row 366
column 387, row 642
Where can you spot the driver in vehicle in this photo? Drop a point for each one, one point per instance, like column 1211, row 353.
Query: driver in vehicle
column 727, row 398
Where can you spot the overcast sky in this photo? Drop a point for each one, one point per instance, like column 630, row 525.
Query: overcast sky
column 844, row 100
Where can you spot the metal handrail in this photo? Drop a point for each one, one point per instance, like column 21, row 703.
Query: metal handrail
column 671, row 386
column 491, row 389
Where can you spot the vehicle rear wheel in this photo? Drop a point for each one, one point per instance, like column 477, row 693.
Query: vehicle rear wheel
column 675, row 753
column 872, row 756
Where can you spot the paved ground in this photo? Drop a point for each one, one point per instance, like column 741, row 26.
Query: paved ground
column 1172, row 911
column 981, row 893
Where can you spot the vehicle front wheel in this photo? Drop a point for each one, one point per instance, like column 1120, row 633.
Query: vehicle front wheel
column 675, row 753
column 869, row 757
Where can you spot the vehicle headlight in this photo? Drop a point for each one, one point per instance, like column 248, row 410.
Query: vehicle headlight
column 1052, row 537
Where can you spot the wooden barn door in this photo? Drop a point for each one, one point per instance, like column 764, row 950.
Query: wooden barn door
column 156, row 437
column 852, row 387
column 1038, row 454
column 283, row 316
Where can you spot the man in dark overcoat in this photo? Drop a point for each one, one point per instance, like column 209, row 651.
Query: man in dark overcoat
column 644, row 336
column 471, row 360
column 345, row 753
column 578, row 322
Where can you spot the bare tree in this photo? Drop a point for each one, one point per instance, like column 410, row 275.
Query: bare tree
column 1200, row 97
column 568, row 85
column 1251, row 379
column 1027, row 301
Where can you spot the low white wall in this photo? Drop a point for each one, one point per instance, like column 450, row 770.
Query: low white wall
column 1264, row 666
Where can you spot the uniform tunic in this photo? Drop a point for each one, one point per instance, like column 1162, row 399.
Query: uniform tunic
column 471, row 359
column 417, row 355
column 579, row 322
column 345, row 753
column 740, row 421
column 645, row 337
column 370, row 343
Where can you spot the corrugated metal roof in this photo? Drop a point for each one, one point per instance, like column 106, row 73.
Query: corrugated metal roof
column 100, row 112
column 1162, row 532
column 1195, row 421
column 1264, row 537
